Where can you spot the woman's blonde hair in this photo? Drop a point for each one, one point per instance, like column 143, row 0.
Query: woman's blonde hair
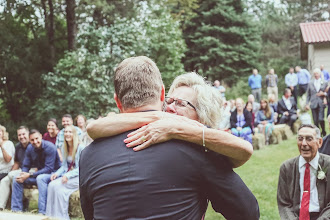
column 5, row 135
column 76, row 143
column 208, row 100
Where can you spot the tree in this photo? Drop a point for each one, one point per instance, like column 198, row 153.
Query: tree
column 71, row 23
column 222, row 41
column 82, row 80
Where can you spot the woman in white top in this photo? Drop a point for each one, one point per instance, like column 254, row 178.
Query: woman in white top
column 7, row 153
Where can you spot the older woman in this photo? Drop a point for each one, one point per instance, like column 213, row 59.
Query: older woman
column 188, row 96
column 7, row 152
column 265, row 119
column 80, row 122
column 52, row 131
column 241, row 121
column 66, row 179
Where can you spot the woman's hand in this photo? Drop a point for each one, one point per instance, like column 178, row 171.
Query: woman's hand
column 157, row 132
column 52, row 177
column 64, row 179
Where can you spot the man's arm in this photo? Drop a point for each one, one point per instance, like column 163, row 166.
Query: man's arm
column 15, row 166
column 284, row 202
column 226, row 190
column 27, row 160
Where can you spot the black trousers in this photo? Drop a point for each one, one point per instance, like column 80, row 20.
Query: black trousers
column 302, row 89
column 2, row 175
column 318, row 115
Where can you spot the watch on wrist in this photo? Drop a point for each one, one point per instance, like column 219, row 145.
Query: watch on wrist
column 31, row 174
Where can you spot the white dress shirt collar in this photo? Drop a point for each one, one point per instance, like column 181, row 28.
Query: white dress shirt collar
column 287, row 103
column 314, row 205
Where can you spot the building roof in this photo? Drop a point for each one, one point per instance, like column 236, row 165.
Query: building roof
column 315, row 32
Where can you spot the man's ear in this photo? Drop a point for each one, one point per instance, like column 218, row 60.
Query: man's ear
column 162, row 95
column 118, row 103
column 320, row 142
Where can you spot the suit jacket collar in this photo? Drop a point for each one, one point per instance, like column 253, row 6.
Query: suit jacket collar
column 321, row 185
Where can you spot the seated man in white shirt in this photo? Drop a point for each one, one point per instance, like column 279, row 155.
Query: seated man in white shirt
column 287, row 109
column 303, row 190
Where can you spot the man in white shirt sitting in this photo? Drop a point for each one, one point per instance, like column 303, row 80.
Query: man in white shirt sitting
column 303, row 190
column 287, row 109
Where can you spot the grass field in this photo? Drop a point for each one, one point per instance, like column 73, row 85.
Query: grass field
column 260, row 174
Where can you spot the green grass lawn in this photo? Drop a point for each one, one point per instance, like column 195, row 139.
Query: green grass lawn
column 260, row 174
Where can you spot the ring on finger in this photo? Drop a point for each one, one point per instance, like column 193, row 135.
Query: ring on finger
column 144, row 139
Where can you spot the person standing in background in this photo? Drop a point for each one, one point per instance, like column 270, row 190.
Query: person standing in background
column 326, row 75
column 291, row 81
column 255, row 84
column 303, row 79
column 271, row 82
column 220, row 88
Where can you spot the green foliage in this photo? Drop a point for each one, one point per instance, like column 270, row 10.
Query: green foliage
column 82, row 80
column 223, row 41
column 241, row 89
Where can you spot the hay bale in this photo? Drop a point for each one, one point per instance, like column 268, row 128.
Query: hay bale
column 258, row 141
column 74, row 206
column 75, row 210
column 276, row 136
column 286, row 132
column 296, row 126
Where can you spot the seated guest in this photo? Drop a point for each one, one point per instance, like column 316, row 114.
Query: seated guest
column 273, row 105
column 255, row 105
column 80, row 122
column 5, row 184
column 232, row 103
column 43, row 156
column 66, row 120
column 303, row 186
column 52, row 131
column 265, row 119
column 66, row 179
column 325, row 149
column 240, row 121
column 7, row 152
column 248, row 107
column 287, row 109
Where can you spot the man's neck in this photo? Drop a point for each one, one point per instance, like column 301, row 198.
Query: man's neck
column 25, row 145
column 143, row 108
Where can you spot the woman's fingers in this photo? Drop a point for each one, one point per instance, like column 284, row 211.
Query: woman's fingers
column 143, row 146
column 143, row 128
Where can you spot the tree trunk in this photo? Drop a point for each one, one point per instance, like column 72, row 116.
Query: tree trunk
column 71, row 23
column 51, row 32
column 50, row 29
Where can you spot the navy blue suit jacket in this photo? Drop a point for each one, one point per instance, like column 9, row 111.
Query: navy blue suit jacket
column 171, row 180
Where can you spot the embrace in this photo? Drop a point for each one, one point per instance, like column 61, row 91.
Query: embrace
column 174, row 164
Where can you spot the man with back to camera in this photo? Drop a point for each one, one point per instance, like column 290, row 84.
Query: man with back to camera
column 42, row 155
column 171, row 180
column 303, row 187
column 5, row 184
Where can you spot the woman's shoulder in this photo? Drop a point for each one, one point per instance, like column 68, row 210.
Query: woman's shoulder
column 9, row 143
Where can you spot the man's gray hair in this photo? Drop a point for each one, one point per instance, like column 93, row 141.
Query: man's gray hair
column 138, row 82
column 317, row 130
column 317, row 70
column 208, row 99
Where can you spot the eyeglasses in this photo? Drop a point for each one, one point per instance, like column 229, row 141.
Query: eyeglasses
column 307, row 138
column 178, row 102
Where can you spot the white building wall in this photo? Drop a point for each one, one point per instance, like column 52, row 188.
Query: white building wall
column 322, row 56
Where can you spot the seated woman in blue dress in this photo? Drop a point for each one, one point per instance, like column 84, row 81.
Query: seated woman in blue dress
column 241, row 121
column 265, row 119
column 66, row 179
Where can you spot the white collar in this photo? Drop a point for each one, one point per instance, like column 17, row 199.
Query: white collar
column 285, row 99
column 314, row 163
